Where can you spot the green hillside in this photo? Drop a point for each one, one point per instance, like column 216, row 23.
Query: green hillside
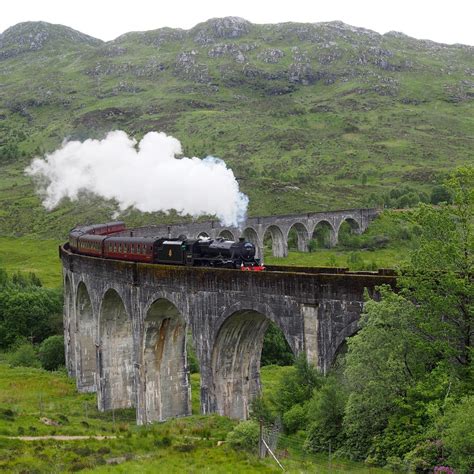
column 309, row 116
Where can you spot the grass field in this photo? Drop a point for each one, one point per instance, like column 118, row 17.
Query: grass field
column 367, row 260
column 32, row 255
column 182, row 445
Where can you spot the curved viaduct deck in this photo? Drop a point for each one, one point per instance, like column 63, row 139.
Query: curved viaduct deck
column 126, row 326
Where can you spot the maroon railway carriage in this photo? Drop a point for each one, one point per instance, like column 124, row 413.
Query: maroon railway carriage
column 139, row 249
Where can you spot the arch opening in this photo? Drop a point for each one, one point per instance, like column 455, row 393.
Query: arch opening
column 202, row 235
column 166, row 373
column 236, row 362
column 227, row 235
column 85, row 341
column 273, row 238
column 115, row 355
column 323, row 235
column 348, row 228
column 298, row 237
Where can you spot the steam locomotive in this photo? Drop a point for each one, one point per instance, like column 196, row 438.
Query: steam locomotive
column 109, row 241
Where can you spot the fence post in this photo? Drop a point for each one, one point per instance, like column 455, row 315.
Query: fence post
column 261, row 451
column 330, row 467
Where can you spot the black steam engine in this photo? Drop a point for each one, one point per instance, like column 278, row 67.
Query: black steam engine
column 111, row 241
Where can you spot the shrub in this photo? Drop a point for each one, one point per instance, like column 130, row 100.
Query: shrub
column 312, row 245
column 51, row 353
column 193, row 362
column 275, row 348
column 163, row 442
column 244, row 436
column 297, row 386
column 440, row 194
column 295, row 418
column 260, row 410
column 325, row 412
column 458, row 435
column 24, row 356
column 425, row 456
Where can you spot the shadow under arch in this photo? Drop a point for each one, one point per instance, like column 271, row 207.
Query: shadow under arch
column 115, row 357
column 227, row 235
column 348, row 226
column 279, row 243
column 69, row 326
column 86, row 364
column 324, row 234
column 302, row 236
column 235, row 361
column 339, row 346
column 166, row 381
column 202, row 235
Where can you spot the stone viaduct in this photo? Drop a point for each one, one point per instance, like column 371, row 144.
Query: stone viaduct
column 127, row 326
column 278, row 228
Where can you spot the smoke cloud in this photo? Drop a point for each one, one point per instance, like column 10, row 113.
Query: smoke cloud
column 147, row 177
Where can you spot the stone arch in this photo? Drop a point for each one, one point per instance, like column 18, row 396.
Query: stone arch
column 251, row 235
column 235, row 363
column 227, row 235
column 115, row 354
column 350, row 226
column 325, row 234
column 85, row 341
column 279, row 242
column 167, row 389
column 69, row 326
column 202, row 235
column 302, row 236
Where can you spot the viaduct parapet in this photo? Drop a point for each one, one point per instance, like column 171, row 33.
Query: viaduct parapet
column 279, row 228
column 127, row 326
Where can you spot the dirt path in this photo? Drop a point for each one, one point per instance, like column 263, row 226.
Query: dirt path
column 58, row 437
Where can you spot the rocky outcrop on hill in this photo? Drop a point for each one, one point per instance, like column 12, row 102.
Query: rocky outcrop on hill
column 217, row 29
column 36, row 35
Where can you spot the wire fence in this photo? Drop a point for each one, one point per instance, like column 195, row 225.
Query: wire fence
column 284, row 448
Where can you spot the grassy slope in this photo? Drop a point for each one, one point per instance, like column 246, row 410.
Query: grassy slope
column 381, row 258
column 409, row 123
column 29, row 255
column 34, row 393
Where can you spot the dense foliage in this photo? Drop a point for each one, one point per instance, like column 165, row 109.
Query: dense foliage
column 401, row 395
column 29, row 315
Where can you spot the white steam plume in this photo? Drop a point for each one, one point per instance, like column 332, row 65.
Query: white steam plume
column 148, row 179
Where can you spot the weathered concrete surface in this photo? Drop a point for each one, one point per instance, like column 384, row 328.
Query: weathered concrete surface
column 255, row 229
column 137, row 317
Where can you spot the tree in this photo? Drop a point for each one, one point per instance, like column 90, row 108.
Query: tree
column 30, row 312
column 440, row 194
column 440, row 274
column 414, row 349
column 458, row 435
column 382, row 362
column 51, row 353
